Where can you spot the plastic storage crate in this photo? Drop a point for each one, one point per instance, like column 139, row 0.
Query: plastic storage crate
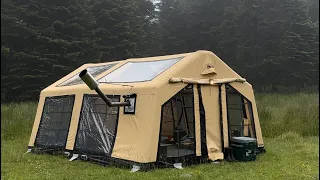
column 244, row 148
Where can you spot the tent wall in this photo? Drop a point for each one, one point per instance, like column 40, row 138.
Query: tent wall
column 137, row 134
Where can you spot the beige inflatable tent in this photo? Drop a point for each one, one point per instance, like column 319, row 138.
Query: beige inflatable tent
column 181, row 106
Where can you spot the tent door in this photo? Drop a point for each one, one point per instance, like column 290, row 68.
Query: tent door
column 177, row 133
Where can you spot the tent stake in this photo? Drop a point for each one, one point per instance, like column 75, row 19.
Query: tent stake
column 178, row 165
column 135, row 168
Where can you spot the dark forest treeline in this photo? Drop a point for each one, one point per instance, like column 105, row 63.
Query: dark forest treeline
column 269, row 42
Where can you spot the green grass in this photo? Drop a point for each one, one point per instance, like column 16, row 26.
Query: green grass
column 17, row 120
column 289, row 123
column 280, row 113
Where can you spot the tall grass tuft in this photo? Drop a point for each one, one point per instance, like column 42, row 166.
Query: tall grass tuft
column 17, row 120
column 282, row 113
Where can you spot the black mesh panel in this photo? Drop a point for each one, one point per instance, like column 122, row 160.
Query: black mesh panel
column 97, row 126
column 177, row 126
column 55, row 122
column 236, row 113
column 204, row 150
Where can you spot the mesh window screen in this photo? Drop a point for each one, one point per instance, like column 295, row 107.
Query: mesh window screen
column 94, row 71
column 240, row 118
column 97, row 126
column 177, row 127
column 55, row 121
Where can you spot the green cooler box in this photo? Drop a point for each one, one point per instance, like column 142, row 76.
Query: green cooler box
column 244, row 148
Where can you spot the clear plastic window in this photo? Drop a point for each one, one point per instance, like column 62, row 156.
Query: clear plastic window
column 138, row 71
column 94, row 71
column 97, row 127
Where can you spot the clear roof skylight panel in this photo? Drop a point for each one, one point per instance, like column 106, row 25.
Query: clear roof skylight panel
column 139, row 71
column 94, row 71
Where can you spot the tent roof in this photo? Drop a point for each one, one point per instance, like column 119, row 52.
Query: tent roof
column 146, row 72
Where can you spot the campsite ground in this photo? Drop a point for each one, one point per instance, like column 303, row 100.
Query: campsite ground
column 290, row 125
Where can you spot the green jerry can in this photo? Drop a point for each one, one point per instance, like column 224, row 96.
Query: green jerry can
column 244, row 148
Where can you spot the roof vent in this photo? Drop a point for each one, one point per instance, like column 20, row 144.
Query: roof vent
column 209, row 70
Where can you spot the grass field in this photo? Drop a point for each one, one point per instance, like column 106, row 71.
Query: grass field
column 290, row 125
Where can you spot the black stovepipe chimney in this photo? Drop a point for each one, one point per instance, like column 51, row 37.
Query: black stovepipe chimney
column 94, row 85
